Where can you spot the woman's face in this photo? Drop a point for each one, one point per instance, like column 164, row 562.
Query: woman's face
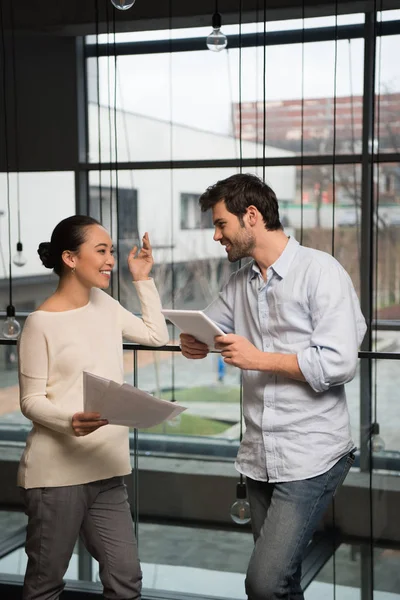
column 94, row 260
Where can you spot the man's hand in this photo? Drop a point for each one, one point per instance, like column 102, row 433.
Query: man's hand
column 192, row 348
column 239, row 352
column 84, row 423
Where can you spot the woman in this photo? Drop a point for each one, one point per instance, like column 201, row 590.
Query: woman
column 73, row 465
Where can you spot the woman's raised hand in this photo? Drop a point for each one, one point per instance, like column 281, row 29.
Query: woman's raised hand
column 141, row 265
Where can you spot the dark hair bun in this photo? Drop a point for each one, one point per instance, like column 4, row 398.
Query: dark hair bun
column 46, row 255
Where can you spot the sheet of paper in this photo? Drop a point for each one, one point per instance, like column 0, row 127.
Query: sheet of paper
column 124, row 404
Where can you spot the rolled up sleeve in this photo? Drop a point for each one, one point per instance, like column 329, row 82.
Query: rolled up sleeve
column 338, row 330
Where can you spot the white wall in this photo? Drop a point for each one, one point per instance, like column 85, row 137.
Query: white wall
column 159, row 192
column 45, row 199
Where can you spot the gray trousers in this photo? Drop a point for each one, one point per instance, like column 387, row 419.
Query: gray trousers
column 99, row 513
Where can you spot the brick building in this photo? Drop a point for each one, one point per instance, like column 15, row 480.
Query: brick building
column 309, row 126
column 287, row 121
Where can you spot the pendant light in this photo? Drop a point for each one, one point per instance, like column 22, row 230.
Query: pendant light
column 11, row 328
column 123, row 4
column 217, row 40
column 19, row 258
column 240, row 509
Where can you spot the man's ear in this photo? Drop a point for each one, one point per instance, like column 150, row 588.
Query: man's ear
column 252, row 214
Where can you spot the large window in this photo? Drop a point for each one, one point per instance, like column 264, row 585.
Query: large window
column 316, row 114
column 191, row 215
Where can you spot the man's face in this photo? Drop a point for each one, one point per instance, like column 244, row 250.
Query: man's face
column 233, row 233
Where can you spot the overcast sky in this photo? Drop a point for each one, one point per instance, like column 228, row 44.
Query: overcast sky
column 198, row 88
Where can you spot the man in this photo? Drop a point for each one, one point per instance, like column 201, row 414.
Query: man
column 293, row 325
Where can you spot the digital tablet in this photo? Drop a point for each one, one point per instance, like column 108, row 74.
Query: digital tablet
column 195, row 323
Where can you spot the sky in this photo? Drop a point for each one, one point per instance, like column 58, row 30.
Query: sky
column 197, row 88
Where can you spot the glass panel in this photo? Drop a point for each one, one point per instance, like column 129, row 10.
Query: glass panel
column 45, row 199
column 339, row 578
column 11, row 418
column 387, row 239
column 179, row 559
column 208, row 388
column 186, row 119
column 389, row 15
column 385, row 411
column 387, row 89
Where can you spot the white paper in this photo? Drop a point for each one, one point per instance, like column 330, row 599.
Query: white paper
column 124, row 404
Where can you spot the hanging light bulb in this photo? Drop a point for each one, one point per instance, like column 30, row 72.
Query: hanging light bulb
column 217, row 40
column 123, row 4
column 19, row 259
column 240, row 510
column 377, row 442
column 11, row 327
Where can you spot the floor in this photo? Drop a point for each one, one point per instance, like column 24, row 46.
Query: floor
column 213, row 563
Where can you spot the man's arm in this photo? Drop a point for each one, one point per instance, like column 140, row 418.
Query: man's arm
column 331, row 356
column 338, row 329
column 239, row 352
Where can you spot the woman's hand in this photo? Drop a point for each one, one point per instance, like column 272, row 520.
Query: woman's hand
column 84, row 423
column 140, row 265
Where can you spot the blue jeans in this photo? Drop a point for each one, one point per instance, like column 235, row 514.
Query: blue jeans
column 284, row 517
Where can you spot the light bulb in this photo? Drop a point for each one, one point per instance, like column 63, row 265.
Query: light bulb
column 240, row 510
column 217, row 40
column 123, row 4
column 19, row 259
column 377, row 442
column 11, row 327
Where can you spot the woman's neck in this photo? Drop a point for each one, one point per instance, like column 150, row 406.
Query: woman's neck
column 71, row 293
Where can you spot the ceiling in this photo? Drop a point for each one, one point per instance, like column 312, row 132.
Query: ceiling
column 78, row 17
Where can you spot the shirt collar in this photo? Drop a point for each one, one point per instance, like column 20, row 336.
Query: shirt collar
column 282, row 263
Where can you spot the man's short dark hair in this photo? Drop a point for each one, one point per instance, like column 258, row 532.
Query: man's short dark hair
column 241, row 191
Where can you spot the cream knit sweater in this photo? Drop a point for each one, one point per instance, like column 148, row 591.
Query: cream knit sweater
column 54, row 349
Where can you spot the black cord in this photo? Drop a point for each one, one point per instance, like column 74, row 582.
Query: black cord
column 333, row 240
column 171, row 150
column 264, row 86
column 109, row 110
column 353, row 148
column 377, row 203
column 302, row 126
column 257, row 76
column 98, row 110
column 240, row 169
column 116, row 161
column 334, row 131
column 371, row 497
column 240, row 91
column 6, row 150
column 16, row 139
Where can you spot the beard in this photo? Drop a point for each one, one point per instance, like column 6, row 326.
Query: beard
column 242, row 246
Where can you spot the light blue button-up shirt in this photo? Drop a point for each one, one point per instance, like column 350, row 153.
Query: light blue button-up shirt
column 308, row 307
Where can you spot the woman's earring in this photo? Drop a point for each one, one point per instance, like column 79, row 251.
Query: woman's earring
column 73, row 270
